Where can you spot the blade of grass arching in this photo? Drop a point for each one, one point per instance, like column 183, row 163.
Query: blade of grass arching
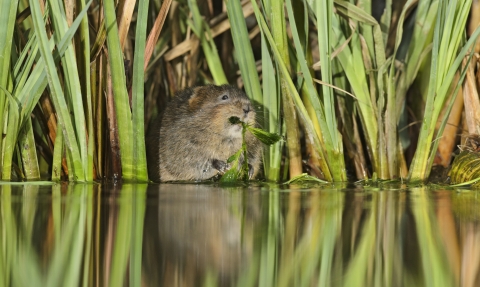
column 138, row 217
column 122, row 107
column 122, row 239
column 302, row 112
column 26, row 143
column 279, row 33
column 7, row 18
column 200, row 28
column 138, row 111
column 244, row 53
column 71, row 81
column 57, row 155
column 271, row 114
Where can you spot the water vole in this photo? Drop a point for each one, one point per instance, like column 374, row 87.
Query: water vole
column 193, row 138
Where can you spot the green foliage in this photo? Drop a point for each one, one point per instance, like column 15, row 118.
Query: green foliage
column 236, row 170
column 50, row 66
column 447, row 55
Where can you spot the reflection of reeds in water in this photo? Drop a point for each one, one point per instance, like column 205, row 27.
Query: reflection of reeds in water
column 202, row 235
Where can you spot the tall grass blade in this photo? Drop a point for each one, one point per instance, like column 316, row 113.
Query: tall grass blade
column 7, row 17
column 138, row 111
column 271, row 114
column 122, row 107
column 72, row 90
column 279, row 33
column 325, row 114
column 302, row 112
column 57, row 154
column 243, row 52
column 83, row 60
column 57, row 93
column 11, row 135
column 26, row 143
column 201, row 29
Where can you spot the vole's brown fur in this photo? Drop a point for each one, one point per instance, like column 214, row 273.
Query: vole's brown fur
column 193, row 138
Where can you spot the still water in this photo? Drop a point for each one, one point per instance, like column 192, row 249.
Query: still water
column 257, row 235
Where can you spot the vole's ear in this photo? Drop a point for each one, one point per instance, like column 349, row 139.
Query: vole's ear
column 195, row 100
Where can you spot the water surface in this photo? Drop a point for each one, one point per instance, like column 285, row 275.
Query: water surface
column 206, row 235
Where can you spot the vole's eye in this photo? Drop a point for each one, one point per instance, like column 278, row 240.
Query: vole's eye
column 225, row 97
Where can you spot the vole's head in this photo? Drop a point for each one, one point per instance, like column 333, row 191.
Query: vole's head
column 218, row 104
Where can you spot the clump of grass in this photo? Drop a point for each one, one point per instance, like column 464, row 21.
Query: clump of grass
column 239, row 169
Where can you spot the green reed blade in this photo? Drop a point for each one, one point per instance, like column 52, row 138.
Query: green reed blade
column 57, row 155
column 302, row 113
column 244, row 53
column 83, row 54
column 11, row 134
column 26, row 144
column 122, row 107
column 278, row 28
column 201, row 29
column 139, row 153
column 271, row 114
column 57, row 93
column 30, row 92
column 325, row 114
column 7, row 18
column 73, row 91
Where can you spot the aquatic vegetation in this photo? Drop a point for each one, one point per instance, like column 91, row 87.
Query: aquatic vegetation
column 356, row 93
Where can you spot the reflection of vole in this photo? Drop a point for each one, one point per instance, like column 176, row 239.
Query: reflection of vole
column 194, row 137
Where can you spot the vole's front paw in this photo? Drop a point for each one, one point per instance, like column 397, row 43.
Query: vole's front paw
column 251, row 171
column 220, row 165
